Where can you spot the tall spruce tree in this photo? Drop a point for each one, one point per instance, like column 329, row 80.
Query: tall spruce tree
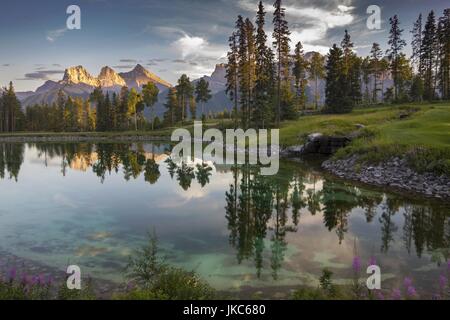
column 396, row 45
column 170, row 115
column 281, row 36
column 376, row 56
column 428, row 55
column 444, row 54
column 300, row 74
column 150, row 94
column 185, row 93
column 202, row 94
column 351, row 70
column 231, row 75
column 338, row 99
column 416, row 44
column 316, row 73
column 264, row 74
column 11, row 114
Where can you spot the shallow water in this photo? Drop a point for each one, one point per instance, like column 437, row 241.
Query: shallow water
column 92, row 205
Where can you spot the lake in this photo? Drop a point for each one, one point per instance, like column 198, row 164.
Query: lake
column 93, row 204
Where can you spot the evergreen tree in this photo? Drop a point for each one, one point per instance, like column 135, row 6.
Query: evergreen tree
column 133, row 106
column 262, row 115
column 416, row 44
column 107, row 107
column 232, row 74
column 417, row 89
column 317, row 72
column 98, row 99
column 281, row 45
column 170, row 115
column 202, row 94
column 376, row 69
column 428, row 56
column 396, row 44
column 12, row 117
column 300, row 74
column 444, row 54
column 122, row 111
column 351, row 70
column 185, row 92
column 366, row 73
column 336, row 91
column 150, row 96
column 115, row 105
column 246, row 67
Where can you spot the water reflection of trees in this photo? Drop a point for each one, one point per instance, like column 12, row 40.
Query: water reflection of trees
column 260, row 211
column 11, row 159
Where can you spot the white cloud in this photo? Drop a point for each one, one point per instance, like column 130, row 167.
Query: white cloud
column 309, row 23
column 202, row 55
column 53, row 35
column 197, row 47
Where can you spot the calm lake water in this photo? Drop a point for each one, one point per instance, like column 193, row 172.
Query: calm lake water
column 92, row 205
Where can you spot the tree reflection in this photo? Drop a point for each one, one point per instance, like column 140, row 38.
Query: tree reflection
column 11, row 159
column 261, row 211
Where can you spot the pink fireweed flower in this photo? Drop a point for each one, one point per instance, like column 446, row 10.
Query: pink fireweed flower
column 396, row 294
column 380, row 295
column 12, row 274
column 442, row 281
column 407, row 282
column 411, row 292
column 356, row 265
column 372, row 261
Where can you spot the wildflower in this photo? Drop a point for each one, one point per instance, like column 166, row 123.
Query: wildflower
column 411, row 292
column 396, row 294
column 12, row 274
column 372, row 261
column 407, row 282
column 442, row 282
column 49, row 280
column 356, row 265
column 380, row 295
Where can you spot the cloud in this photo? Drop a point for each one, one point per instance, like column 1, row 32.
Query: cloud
column 41, row 75
column 128, row 61
column 53, row 35
column 310, row 21
column 6, row 65
column 124, row 66
column 197, row 55
column 198, row 48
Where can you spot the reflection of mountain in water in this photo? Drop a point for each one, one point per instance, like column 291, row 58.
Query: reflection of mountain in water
column 260, row 211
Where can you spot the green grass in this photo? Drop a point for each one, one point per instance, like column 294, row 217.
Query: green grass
column 423, row 137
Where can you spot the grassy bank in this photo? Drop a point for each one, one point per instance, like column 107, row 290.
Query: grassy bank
column 419, row 132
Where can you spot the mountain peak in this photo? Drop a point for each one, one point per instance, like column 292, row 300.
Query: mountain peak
column 219, row 72
column 110, row 78
column 140, row 76
column 78, row 74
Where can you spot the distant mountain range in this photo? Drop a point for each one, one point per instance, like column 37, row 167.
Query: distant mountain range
column 78, row 82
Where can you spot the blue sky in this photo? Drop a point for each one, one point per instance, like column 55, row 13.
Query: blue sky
column 170, row 37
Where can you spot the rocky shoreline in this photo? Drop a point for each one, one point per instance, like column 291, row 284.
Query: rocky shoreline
column 394, row 173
